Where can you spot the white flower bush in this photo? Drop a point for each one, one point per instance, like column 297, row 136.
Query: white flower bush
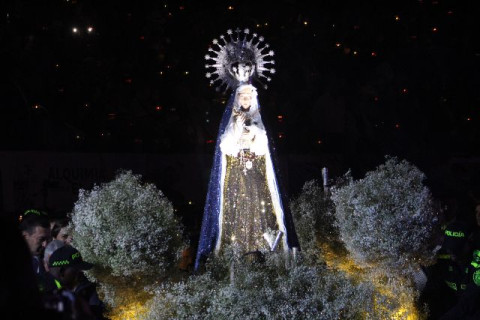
column 384, row 220
column 127, row 228
column 387, row 219
column 266, row 291
column 319, row 285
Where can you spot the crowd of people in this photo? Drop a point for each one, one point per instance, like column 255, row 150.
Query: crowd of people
column 46, row 278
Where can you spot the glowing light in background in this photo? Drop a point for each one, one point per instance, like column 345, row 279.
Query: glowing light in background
column 134, row 310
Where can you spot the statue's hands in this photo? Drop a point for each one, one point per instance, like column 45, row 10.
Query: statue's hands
column 241, row 117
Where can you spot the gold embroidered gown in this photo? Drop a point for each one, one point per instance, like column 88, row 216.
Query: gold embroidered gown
column 247, row 210
column 247, row 206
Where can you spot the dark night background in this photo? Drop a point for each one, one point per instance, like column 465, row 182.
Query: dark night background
column 355, row 81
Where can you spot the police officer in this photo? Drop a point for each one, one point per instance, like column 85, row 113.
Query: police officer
column 449, row 277
column 77, row 296
column 468, row 306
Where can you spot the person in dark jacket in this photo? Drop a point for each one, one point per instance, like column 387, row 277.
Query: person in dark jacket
column 19, row 294
column 35, row 229
column 449, row 277
column 468, row 306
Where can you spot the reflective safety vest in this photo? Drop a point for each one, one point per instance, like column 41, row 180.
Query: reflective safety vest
column 58, row 284
column 457, row 282
column 455, row 277
column 476, row 273
column 476, row 267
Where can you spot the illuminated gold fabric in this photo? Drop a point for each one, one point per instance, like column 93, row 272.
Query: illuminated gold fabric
column 247, row 206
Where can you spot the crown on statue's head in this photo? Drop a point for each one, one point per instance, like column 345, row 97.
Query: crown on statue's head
column 239, row 60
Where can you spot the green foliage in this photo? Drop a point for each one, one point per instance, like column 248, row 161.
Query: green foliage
column 274, row 289
column 387, row 218
column 127, row 229
column 313, row 212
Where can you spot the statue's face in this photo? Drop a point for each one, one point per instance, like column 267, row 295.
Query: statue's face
column 245, row 100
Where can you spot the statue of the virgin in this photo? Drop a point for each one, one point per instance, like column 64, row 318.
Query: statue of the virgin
column 245, row 206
